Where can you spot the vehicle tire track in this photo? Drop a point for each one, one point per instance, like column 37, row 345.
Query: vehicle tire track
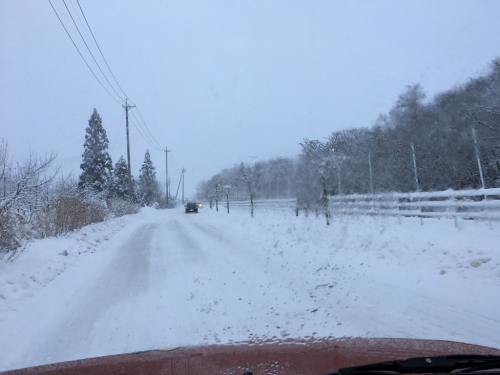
column 126, row 276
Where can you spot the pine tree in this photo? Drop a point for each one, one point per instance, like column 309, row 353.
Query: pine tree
column 120, row 179
column 96, row 166
column 148, row 186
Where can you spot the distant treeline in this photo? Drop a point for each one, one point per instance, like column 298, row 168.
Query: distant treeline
column 381, row 158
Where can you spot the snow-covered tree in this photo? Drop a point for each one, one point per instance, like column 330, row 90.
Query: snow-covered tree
column 227, row 187
column 96, row 165
column 323, row 163
column 120, row 179
column 214, row 190
column 148, row 186
column 22, row 195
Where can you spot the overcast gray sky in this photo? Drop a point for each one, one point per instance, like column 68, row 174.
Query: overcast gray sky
column 222, row 82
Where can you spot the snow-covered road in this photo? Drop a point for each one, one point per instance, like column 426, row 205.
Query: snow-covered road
column 164, row 278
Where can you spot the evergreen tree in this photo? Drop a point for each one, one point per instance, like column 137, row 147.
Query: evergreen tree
column 148, row 186
column 120, row 179
column 96, row 166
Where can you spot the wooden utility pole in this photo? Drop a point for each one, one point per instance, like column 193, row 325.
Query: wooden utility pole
column 126, row 106
column 183, row 170
column 166, row 170
column 179, row 186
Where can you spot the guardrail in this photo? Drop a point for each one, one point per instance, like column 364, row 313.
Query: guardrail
column 481, row 204
column 264, row 204
column 470, row 204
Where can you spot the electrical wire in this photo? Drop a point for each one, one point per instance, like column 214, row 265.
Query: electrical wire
column 175, row 161
column 140, row 130
column 97, row 44
column 153, row 138
column 91, row 54
column 116, row 138
column 86, row 63
column 145, row 136
column 82, row 25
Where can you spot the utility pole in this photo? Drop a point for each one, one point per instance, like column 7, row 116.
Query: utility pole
column 126, row 106
column 166, row 170
column 181, row 179
column 183, row 170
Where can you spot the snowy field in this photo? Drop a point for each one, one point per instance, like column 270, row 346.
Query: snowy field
column 163, row 278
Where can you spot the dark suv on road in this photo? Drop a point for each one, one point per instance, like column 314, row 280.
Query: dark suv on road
column 192, row 207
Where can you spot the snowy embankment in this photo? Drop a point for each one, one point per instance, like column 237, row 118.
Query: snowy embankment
column 44, row 260
column 164, row 278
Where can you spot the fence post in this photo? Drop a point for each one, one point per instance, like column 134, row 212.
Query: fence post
column 416, row 180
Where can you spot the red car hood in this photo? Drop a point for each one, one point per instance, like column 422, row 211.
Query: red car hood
column 289, row 357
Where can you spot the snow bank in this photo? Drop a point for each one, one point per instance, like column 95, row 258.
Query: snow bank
column 44, row 260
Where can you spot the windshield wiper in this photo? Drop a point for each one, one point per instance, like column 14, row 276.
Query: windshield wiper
column 467, row 364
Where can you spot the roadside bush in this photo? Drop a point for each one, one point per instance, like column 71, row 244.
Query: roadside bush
column 63, row 214
column 118, row 207
column 9, row 227
column 66, row 214
column 15, row 232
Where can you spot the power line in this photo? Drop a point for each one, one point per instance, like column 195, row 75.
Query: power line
column 82, row 25
column 117, row 134
column 152, row 137
column 175, row 161
column 97, row 44
column 86, row 63
column 145, row 135
column 140, row 130
column 91, row 54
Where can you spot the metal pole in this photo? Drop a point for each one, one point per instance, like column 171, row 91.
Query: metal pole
column 183, row 170
column 478, row 159
column 371, row 177
column 415, row 166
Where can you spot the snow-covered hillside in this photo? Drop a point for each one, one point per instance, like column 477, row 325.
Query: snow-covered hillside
column 164, row 278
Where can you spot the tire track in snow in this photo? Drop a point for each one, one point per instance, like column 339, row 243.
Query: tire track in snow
column 126, row 276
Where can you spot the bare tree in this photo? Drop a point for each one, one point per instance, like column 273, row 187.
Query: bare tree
column 227, row 187
column 28, row 177
column 27, row 180
column 321, row 157
column 247, row 176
